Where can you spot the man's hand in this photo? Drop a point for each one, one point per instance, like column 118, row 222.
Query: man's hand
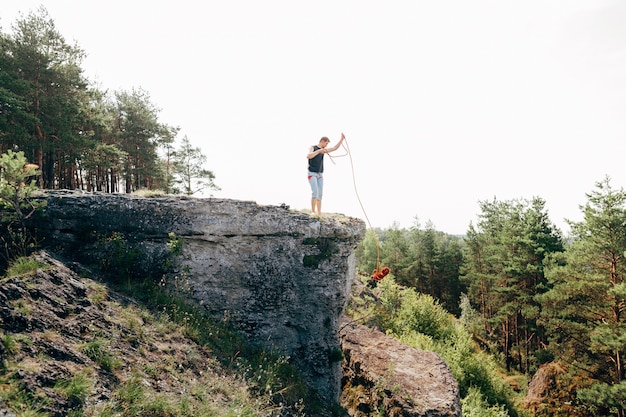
column 343, row 136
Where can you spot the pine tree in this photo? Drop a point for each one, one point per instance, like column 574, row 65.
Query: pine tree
column 189, row 168
column 137, row 132
column 504, row 273
column 46, row 75
column 584, row 309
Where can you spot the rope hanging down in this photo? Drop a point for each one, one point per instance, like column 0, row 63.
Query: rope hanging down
column 379, row 273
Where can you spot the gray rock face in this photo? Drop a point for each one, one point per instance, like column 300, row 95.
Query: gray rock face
column 282, row 278
column 382, row 375
column 4, row 412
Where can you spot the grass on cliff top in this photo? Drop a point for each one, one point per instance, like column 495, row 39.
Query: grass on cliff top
column 175, row 362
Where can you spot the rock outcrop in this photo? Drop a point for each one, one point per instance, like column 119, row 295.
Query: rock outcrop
column 281, row 277
column 385, row 377
column 549, row 390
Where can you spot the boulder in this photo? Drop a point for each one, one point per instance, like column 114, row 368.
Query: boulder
column 382, row 376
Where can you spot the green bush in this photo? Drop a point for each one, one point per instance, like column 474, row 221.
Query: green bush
column 419, row 321
column 24, row 265
column 117, row 258
column 475, row 405
column 405, row 310
column 9, row 343
column 17, row 206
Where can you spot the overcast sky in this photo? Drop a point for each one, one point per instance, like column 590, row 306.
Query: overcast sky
column 443, row 103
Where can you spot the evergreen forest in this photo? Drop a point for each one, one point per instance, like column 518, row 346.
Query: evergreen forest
column 78, row 135
column 538, row 303
column 531, row 298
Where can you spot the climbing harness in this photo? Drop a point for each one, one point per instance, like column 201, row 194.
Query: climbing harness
column 378, row 273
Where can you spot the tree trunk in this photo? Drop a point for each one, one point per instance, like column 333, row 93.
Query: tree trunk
column 507, row 353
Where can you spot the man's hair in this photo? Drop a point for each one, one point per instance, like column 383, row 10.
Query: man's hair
column 324, row 139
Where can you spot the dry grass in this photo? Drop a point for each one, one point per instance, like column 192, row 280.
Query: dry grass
column 131, row 362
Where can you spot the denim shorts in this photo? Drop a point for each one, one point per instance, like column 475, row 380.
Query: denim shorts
column 316, row 180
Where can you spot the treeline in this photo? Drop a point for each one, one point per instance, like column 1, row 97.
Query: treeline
column 79, row 136
column 424, row 259
column 529, row 296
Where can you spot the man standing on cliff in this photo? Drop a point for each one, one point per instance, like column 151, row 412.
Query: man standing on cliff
column 316, row 170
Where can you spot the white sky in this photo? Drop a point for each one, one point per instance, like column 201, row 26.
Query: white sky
column 444, row 103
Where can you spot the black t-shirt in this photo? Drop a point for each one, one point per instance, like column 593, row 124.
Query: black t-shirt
column 316, row 164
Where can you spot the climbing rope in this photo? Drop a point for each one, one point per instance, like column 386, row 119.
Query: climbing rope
column 378, row 273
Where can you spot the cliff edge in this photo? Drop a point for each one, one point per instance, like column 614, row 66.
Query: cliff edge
column 281, row 277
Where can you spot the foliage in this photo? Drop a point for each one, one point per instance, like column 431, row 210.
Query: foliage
column 584, row 308
column 10, row 346
column 419, row 321
column 47, row 76
column 367, row 253
column 420, row 258
column 79, row 136
column 15, row 118
column 605, row 396
column 15, row 189
column 22, row 402
column 15, row 197
column 117, row 258
column 136, row 133
column 189, row 171
column 101, row 166
column 504, row 271
column 174, row 245
column 475, row 405
column 405, row 310
column 167, row 145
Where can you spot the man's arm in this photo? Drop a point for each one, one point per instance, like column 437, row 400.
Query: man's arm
column 334, row 148
column 313, row 154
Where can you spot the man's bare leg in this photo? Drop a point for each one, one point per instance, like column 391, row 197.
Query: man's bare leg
column 316, row 206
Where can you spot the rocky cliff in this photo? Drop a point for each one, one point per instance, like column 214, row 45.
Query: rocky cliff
column 281, row 277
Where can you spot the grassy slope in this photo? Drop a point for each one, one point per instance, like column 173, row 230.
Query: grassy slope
column 154, row 357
